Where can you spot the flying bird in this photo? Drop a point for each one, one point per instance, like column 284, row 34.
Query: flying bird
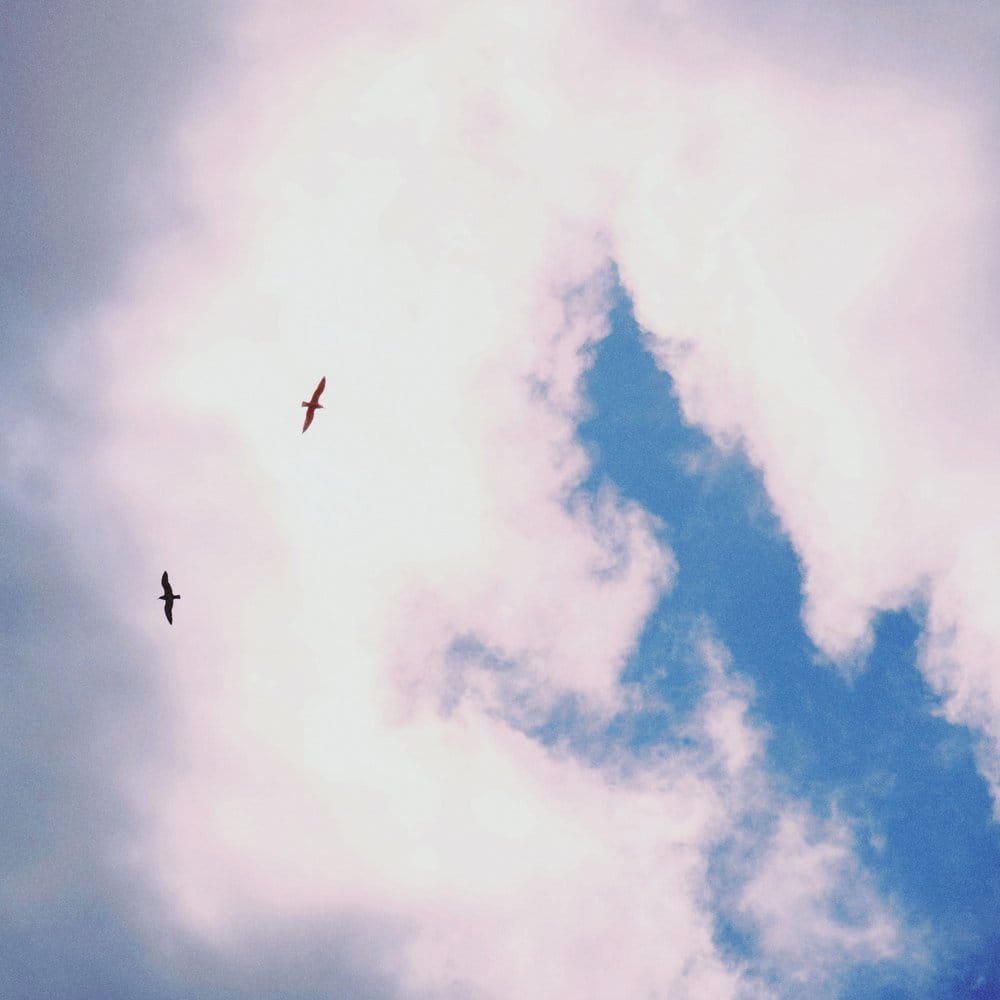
column 168, row 598
column 314, row 404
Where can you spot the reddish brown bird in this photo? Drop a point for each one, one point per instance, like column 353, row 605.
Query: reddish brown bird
column 314, row 404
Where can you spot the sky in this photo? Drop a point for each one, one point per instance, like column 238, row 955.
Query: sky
column 624, row 625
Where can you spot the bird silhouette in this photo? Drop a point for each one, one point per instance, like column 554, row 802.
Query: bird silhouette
column 168, row 598
column 314, row 404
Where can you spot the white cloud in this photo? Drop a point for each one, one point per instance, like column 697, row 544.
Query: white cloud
column 786, row 876
column 812, row 904
column 420, row 205
column 821, row 297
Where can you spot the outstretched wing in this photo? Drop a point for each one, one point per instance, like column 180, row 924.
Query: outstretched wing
column 319, row 390
column 168, row 610
column 310, row 412
column 165, row 582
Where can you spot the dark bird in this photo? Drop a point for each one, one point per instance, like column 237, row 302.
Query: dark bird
column 314, row 404
column 168, row 598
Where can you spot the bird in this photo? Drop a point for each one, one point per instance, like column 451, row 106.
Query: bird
column 168, row 598
column 314, row 404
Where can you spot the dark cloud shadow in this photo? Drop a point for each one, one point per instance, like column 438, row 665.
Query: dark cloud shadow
column 950, row 48
column 77, row 709
column 351, row 954
column 91, row 92
column 83, row 716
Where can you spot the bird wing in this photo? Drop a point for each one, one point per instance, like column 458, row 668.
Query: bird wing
column 168, row 610
column 309, row 419
column 319, row 389
column 166, row 583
